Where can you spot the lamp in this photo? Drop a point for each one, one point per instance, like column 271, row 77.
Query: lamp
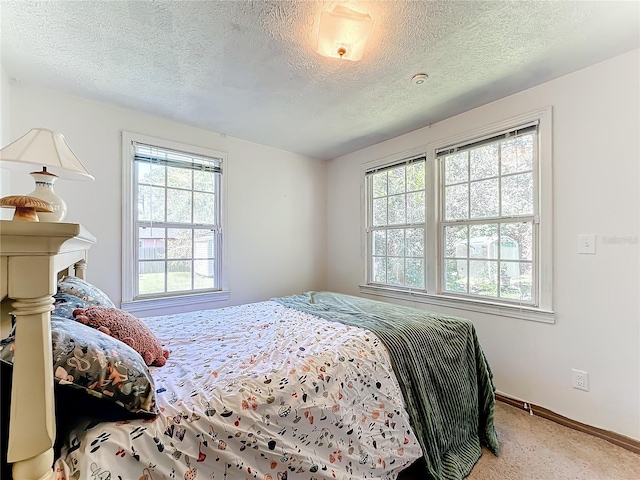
column 48, row 149
column 343, row 33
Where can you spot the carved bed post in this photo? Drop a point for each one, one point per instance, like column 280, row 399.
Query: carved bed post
column 32, row 429
column 31, row 255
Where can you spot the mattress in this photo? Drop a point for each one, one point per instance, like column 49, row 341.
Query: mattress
column 257, row 391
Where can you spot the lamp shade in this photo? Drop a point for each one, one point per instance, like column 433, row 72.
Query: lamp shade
column 343, row 33
column 39, row 148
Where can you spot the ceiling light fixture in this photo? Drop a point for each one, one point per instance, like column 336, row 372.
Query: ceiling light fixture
column 343, row 33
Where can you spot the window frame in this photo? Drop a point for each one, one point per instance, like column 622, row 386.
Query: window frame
column 434, row 247
column 404, row 226
column 190, row 298
column 498, row 220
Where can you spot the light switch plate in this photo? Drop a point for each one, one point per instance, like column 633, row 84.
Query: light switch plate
column 587, row 243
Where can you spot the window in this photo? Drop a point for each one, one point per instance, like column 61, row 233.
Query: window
column 488, row 216
column 173, row 211
column 465, row 224
column 397, row 224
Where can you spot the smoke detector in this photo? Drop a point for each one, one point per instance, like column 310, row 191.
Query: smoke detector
column 419, row 78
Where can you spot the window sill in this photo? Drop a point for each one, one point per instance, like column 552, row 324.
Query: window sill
column 159, row 306
column 504, row 310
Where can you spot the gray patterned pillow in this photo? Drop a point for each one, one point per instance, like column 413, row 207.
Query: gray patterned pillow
column 90, row 361
column 84, row 290
column 66, row 303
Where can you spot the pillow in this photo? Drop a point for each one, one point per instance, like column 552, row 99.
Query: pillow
column 92, row 362
column 66, row 303
column 84, row 290
column 126, row 328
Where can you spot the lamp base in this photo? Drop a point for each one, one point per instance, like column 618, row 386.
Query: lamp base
column 44, row 191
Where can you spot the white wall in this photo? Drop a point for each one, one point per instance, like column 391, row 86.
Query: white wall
column 5, row 102
column 596, row 175
column 276, row 200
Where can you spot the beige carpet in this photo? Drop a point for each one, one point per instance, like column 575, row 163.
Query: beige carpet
column 536, row 449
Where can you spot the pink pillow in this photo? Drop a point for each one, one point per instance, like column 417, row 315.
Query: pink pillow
column 125, row 327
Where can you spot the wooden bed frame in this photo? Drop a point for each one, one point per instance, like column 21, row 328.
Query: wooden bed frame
column 32, row 256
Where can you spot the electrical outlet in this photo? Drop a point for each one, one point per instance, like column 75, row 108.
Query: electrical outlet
column 580, row 380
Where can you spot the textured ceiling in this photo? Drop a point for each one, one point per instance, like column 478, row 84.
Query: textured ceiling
column 249, row 69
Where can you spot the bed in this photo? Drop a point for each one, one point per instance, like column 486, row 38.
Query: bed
column 315, row 386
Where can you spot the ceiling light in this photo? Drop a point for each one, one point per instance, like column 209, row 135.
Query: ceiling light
column 343, row 33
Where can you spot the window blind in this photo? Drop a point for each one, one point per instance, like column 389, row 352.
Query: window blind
column 176, row 159
column 504, row 135
column 406, row 161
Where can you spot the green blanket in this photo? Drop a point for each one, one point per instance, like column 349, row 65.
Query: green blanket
column 442, row 371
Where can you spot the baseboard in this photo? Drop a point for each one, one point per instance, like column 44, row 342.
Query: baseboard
column 623, row 441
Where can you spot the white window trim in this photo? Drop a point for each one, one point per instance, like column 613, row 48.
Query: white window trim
column 128, row 234
column 387, row 227
column 541, row 313
column 190, row 301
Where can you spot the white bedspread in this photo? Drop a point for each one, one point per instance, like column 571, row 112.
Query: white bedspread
column 257, row 391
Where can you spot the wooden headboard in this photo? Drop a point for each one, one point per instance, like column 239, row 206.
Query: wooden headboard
column 31, row 257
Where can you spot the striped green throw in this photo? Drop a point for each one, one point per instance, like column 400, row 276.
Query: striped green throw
column 442, row 371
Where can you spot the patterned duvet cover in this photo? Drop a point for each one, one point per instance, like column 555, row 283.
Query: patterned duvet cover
column 257, row 391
